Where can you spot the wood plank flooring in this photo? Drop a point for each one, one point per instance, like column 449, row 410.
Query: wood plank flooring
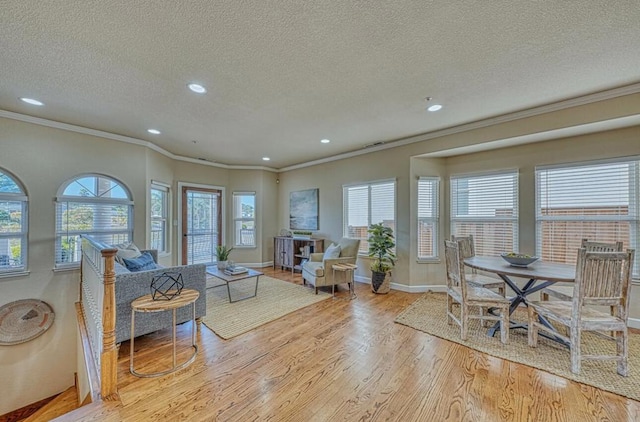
column 344, row 360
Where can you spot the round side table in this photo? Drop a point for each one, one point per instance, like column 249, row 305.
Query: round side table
column 147, row 304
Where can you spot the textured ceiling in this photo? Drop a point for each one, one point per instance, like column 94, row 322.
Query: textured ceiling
column 282, row 75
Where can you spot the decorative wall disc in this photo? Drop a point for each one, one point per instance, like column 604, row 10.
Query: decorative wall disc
column 24, row 320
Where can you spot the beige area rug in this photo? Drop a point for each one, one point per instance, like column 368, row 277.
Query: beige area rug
column 428, row 314
column 275, row 299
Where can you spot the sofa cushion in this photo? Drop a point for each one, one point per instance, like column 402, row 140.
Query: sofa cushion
column 142, row 263
column 314, row 268
column 127, row 250
column 332, row 252
column 119, row 268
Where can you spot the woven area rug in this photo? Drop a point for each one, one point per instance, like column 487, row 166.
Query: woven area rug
column 428, row 314
column 275, row 299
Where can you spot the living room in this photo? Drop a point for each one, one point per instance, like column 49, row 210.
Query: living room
column 42, row 154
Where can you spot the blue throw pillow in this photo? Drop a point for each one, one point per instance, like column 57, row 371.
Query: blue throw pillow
column 142, row 263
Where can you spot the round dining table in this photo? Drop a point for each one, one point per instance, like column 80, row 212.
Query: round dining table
column 539, row 274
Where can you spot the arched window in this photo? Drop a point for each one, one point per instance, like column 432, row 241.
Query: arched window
column 91, row 204
column 13, row 225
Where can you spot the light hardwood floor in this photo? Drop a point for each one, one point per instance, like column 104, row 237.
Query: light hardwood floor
column 345, row 360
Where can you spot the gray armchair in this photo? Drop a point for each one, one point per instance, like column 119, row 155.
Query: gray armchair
column 318, row 272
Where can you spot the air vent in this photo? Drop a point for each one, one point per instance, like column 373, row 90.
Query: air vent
column 375, row 144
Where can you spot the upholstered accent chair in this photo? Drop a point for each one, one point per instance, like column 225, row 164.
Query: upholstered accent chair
column 317, row 270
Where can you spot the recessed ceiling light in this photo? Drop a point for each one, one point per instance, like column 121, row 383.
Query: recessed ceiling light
column 154, row 131
column 325, row 141
column 197, row 88
column 266, row 158
column 32, row 101
column 434, row 107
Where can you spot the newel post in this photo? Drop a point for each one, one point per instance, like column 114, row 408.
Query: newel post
column 109, row 358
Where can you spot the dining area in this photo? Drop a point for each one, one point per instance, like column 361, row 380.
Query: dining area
column 559, row 302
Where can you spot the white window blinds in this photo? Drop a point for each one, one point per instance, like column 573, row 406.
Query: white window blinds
column 596, row 201
column 160, row 217
column 428, row 217
column 486, row 206
column 93, row 205
column 367, row 204
column 13, row 226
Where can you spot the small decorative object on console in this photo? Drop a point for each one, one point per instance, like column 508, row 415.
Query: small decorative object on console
column 518, row 259
column 166, row 286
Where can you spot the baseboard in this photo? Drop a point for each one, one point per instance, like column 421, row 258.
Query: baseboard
column 633, row 323
column 404, row 288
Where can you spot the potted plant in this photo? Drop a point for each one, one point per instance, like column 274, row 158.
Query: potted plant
column 222, row 252
column 381, row 244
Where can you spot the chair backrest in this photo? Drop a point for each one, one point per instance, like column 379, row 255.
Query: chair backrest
column 349, row 247
column 455, row 266
column 600, row 246
column 467, row 248
column 603, row 278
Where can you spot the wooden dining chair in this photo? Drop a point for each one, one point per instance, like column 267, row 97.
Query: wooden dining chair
column 468, row 250
column 469, row 297
column 565, row 291
column 602, row 279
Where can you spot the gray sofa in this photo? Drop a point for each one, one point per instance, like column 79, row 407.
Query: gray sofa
column 132, row 285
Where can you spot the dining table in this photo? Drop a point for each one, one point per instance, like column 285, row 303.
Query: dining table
column 540, row 274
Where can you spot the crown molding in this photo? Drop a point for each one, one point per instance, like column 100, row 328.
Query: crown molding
column 523, row 114
column 121, row 138
column 535, row 111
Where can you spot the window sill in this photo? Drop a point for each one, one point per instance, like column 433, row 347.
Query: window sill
column 15, row 274
column 429, row 261
column 244, row 247
column 68, row 267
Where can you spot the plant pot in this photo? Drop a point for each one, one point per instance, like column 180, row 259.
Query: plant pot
column 222, row 265
column 380, row 282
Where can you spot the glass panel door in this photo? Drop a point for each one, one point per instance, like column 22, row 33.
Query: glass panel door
column 201, row 224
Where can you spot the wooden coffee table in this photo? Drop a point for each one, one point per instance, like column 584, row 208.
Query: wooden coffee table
column 228, row 279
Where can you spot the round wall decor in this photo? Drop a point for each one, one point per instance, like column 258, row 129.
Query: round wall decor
column 24, row 320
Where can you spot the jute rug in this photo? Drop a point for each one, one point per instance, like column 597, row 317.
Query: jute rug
column 428, row 314
column 275, row 299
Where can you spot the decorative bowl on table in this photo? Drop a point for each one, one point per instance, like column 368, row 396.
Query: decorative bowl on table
column 519, row 259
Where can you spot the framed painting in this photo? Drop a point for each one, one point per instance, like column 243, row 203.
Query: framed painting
column 304, row 210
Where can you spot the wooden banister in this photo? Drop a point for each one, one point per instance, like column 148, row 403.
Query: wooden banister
column 98, row 308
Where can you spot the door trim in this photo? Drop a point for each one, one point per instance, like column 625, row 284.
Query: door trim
column 179, row 212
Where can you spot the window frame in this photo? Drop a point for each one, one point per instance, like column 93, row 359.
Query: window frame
column 434, row 218
column 164, row 219
column 363, row 251
column 23, row 233
column 237, row 198
column 71, row 199
column 514, row 219
column 633, row 217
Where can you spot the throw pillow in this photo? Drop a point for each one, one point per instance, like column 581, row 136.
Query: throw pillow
column 126, row 250
column 332, row 252
column 142, row 263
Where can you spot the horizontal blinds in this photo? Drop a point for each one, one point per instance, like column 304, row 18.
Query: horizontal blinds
column 368, row 204
column 109, row 223
column 486, row 206
column 595, row 201
column 428, row 216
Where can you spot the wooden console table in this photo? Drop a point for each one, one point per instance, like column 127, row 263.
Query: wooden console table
column 286, row 251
